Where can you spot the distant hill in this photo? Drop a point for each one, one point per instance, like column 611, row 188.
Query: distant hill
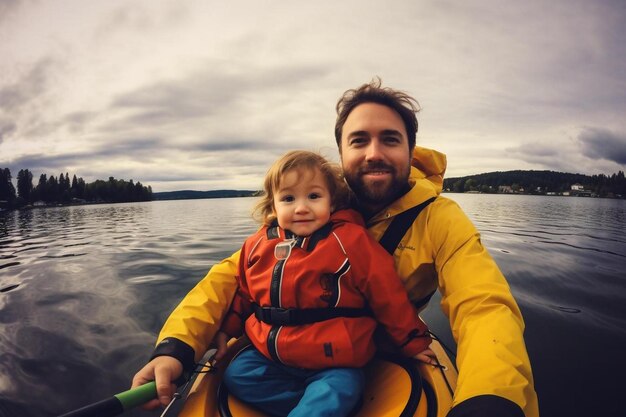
column 518, row 182
column 191, row 195
column 538, row 182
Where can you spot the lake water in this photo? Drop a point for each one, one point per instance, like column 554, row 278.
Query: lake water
column 85, row 289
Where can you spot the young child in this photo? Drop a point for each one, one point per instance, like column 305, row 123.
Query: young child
column 312, row 287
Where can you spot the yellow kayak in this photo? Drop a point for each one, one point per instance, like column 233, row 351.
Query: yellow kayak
column 395, row 387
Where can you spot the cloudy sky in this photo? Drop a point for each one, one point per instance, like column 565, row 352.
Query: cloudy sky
column 204, row 95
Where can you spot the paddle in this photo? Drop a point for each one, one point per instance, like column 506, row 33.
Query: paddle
column 118, row 403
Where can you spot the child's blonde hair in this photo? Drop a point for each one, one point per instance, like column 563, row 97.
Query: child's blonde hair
column 300, row 161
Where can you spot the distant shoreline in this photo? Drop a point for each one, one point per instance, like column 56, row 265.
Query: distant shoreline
column 612, row 197
column 92, row 203
column 193, row 195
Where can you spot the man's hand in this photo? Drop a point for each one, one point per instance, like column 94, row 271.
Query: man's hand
column 427, row 356
column 220, row 340
column 163, row 370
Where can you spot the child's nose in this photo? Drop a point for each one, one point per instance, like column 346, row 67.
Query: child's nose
column 302, row 208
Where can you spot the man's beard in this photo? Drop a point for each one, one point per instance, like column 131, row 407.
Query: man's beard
column 377, row 195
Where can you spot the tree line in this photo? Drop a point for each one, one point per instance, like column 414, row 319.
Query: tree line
column 62, row 190
column 539, row 182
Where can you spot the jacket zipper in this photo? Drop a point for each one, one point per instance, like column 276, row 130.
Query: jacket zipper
column 277, row 277
column 272, row 343
column 275, row 300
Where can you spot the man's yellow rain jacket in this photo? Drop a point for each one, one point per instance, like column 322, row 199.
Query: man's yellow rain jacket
column 441, row 250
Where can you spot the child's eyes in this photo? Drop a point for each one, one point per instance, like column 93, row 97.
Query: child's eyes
column 291, row 198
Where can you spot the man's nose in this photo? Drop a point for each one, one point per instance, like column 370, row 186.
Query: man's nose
column 374, row 151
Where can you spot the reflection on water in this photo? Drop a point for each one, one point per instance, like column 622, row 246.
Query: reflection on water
column 85, row 289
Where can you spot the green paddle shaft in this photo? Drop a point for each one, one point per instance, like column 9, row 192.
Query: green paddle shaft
column 117, row 404
column 137, row 396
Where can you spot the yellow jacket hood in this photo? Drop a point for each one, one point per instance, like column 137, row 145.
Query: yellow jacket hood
column 429, row 164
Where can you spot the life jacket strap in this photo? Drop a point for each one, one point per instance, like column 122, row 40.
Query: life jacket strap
column 277, row 316
column 400, row 225
column 423, row 301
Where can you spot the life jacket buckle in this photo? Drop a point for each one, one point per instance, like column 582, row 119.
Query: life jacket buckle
column 281, row 316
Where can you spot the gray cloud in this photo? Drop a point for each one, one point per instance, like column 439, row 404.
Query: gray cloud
column 22, row 101
column 228, row 144
column 40, row 163
column 135, row 149
column 77, row 121
column 134, row 17
column 537, row 149
column 165, row 101
column 543, row 155
column 598, row 143
column 7, row 127
column 219, row 88
column 129, row 147
column 216, row 109
column 31, row 85
column 9, row 8
column 592, row 151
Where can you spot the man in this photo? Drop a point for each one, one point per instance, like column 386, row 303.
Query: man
column 375, row 132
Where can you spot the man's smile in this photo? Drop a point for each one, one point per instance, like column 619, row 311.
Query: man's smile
column 376, row 172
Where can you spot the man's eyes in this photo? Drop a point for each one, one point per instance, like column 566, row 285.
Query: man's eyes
column 358, row 141
column 391, row 139
column 362, row 141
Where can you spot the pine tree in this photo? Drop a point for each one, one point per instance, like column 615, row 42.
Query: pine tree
column 41, row 190
column 74, row 187
column 52, row 186
column 25, row 185
column 7, row 190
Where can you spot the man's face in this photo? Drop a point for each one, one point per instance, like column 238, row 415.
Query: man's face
column 375, row 155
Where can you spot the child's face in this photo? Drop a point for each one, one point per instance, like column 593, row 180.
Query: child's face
column 302, row 202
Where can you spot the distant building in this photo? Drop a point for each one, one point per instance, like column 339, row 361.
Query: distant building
column 578, row 190
column 505, row 189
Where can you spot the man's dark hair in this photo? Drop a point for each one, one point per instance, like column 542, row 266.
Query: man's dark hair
column 405, row 105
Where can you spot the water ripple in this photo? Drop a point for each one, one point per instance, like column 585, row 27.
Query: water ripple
column 551, row 242
column 9, row 288
column 10, row 264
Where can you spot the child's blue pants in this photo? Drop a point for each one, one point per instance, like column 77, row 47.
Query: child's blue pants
column 286, row 391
